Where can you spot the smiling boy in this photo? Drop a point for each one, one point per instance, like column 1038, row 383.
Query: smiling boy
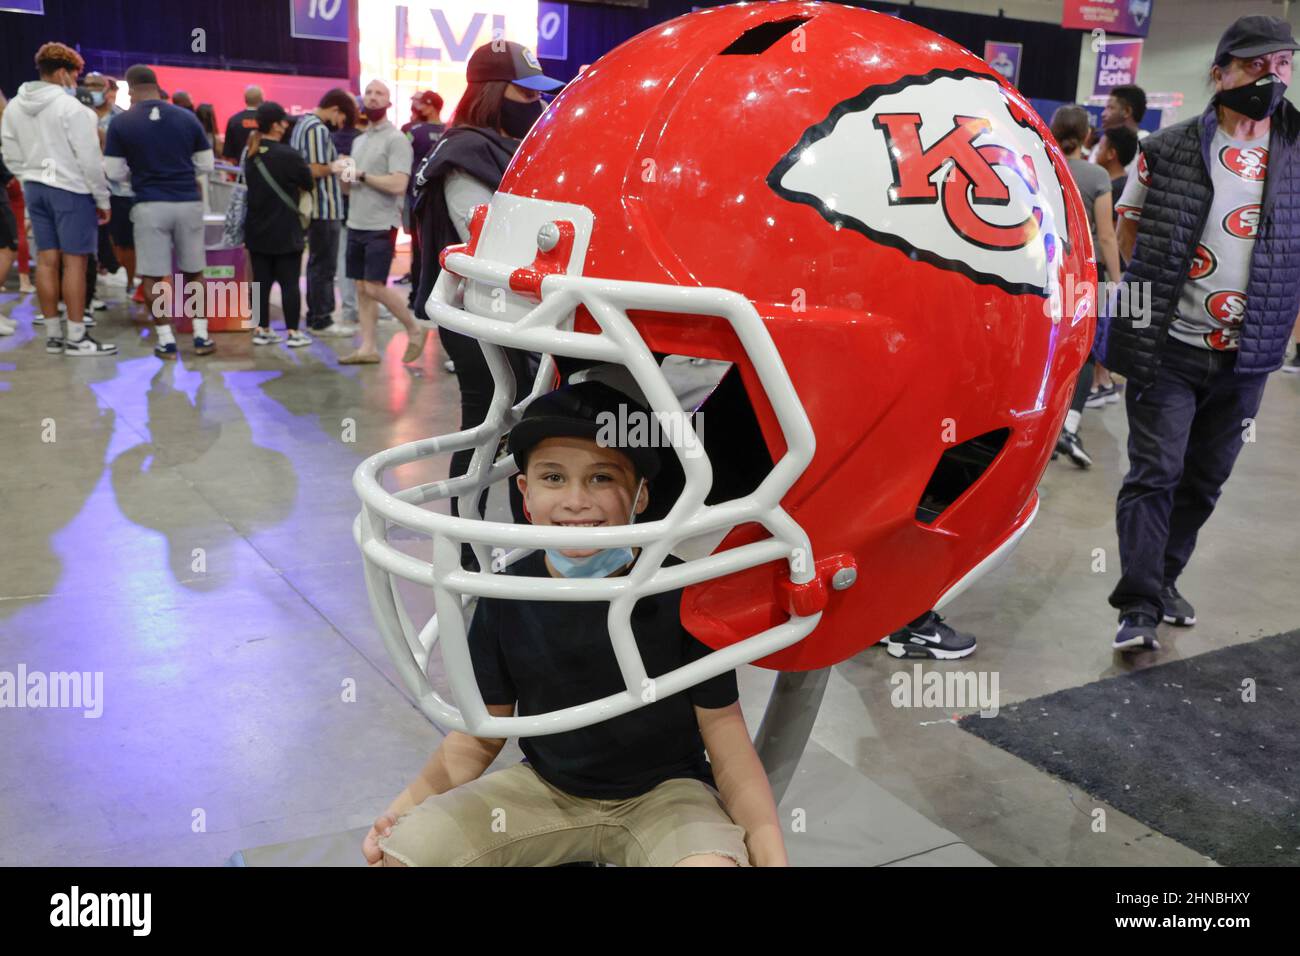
column 635, row 790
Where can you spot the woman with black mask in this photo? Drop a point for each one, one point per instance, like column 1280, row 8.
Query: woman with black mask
column 501, row 103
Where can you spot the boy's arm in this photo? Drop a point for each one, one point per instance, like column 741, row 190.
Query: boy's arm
column 459, row 759
column 742, row 782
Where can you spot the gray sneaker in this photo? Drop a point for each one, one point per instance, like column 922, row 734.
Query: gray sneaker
column 1177, row 609
column 338, row 329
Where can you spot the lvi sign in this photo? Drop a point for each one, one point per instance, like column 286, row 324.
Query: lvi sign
column 424, row 33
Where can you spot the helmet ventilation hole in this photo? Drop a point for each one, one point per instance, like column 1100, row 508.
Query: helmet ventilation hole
column 759, row 39
column 959, row 467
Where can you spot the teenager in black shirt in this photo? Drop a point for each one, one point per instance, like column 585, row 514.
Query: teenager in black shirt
column 273, row 231
column 635, row 789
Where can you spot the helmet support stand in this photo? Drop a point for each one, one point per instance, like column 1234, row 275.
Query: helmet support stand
column 787, row 724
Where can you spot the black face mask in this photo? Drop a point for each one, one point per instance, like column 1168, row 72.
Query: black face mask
column 1257, row 100
column 518, row 118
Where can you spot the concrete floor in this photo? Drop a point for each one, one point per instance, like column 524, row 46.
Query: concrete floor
column 188, row 533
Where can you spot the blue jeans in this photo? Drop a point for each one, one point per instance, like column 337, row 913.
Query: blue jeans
column 1185, row 432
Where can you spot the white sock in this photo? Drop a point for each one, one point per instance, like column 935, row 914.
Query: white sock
column 165, row 336
column 53, row 328
column 1072, row 421
column 200, row 328
column 76, row 331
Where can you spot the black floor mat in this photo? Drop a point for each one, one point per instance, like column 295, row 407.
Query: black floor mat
column 1178, row 748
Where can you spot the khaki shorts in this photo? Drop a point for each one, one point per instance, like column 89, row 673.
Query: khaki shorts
column 515, row 818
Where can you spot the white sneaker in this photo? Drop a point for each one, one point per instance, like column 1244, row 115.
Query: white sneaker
column 7, row 327
column 339, row 329
column 266, row 337
column 298, row 340
column 98, row 305
column 86, row 346
column 88, row 320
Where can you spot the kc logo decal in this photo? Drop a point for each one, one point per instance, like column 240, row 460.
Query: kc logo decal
column 946, row 167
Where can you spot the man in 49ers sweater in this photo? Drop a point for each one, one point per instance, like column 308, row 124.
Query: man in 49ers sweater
column 1210, row 218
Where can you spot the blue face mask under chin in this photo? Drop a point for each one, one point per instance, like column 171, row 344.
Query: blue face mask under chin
column 601, row 564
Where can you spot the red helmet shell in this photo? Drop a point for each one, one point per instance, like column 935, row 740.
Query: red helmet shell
column 909, row 232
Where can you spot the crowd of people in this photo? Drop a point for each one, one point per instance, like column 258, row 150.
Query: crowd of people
column 131, row 188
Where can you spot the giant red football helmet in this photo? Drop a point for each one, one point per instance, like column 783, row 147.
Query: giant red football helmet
column 881, row 237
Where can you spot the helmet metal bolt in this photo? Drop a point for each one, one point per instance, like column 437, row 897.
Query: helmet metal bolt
column 844, row 579
column 548, row 237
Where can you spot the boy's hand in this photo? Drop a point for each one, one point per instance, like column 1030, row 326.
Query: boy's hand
column 370, row 846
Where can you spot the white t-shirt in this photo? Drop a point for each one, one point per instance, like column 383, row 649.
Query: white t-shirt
column 1212, row 304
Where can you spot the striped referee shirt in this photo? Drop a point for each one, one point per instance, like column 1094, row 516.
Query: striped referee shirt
column 311, row 138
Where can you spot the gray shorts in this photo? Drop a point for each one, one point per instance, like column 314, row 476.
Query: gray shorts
column 164, row 227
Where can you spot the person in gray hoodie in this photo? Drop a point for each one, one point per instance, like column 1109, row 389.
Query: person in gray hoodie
column 51, row 142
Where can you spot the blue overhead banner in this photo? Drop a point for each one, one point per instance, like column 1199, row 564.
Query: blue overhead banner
column 23, row 6
column 319, row 19
column 552, row 31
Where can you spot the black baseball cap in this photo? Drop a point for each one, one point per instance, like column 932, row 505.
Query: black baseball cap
column 268, row 114
column 1255, row 36
column 577, row 411
column 512, row 62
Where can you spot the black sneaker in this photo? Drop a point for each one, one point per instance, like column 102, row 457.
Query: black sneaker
column 929, row 636
column 1137, row 632
column 86, row 347
column 54, row 346
column 1071, row 445
column 1177, row 610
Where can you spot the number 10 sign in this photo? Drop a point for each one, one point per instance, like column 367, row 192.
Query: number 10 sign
column 320, row 19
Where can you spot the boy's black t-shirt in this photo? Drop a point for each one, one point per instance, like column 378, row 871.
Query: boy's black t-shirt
column 547, row 655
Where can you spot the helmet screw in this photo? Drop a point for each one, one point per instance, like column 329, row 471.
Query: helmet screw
column 844, row 579
column 548, row 237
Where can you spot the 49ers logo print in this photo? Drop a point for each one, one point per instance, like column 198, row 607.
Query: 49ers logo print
column 970, row 179
column 1243, row 222
column 1249, row 164
column 947, row 167
column 1204, row 262
column 1227, row 306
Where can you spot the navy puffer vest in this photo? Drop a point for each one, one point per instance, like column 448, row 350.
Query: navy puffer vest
column 1173, row 219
